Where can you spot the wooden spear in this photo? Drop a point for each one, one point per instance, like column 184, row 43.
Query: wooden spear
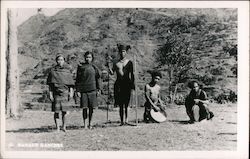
column 135, row 98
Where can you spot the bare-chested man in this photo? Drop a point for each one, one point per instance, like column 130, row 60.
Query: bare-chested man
column 124, row 82
column 152, row 94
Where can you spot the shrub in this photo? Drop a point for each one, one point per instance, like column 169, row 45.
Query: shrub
column 225, row 97
column 207, row 79
column 218, row 70
column 179, row 99
column 232, row 96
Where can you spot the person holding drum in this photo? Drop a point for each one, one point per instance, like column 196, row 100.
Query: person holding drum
column 154, row 107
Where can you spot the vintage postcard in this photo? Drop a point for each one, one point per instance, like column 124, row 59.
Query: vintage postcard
column 124, row 79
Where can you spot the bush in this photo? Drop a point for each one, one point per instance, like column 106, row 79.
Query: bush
column 218, row 70
column 224, row 97
column 179, row 99
column 232, row 96
column 207, row 79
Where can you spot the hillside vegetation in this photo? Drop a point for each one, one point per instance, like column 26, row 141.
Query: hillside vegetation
column 207, row 38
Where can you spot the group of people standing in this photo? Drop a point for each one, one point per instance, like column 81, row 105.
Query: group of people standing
column 87, row 85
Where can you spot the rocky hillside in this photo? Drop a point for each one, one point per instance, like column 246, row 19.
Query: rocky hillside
column 212, row 34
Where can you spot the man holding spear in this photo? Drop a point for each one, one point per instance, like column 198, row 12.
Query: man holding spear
column 124, row 83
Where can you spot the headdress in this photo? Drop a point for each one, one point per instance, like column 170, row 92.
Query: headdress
column 123, row 47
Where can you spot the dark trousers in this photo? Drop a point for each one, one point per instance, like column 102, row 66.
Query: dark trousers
column 196, row 112
column 88, row 102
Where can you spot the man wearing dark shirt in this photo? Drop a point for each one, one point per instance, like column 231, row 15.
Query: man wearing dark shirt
column 88, row 86
column 196, row 104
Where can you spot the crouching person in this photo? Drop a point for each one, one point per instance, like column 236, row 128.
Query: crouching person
column 196, row 104
column 153, row 100
column 61, row 82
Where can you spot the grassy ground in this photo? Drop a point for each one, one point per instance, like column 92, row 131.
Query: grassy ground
column 37, row 127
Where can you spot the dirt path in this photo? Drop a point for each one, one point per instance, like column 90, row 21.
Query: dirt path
column 37, row 127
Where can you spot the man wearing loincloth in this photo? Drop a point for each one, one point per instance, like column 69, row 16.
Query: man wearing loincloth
column 124, row 83
column 152, row 95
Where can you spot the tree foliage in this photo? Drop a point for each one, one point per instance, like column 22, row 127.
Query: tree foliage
column 176, row 58
column 175, row 54
column 196, row 47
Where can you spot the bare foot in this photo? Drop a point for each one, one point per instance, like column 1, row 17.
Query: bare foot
column 191, row 122
column 90, row 127
column 64, row 129
column 126, row 120
column 58, row 129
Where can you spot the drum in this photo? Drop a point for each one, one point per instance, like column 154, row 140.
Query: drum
column 158, row 116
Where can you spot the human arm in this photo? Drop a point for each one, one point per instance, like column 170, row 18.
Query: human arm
column 98, row 80
column 203, row 98
column 77, row 81
column 97, row 77
column 162, row 103
column 197, row 101
column 51, row 96
column 77, row 78
column 78, row 94
column 111, row 68
column 132, row 76
column 71, row 92
column 111, row 71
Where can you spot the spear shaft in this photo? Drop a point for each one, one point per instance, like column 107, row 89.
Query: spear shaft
column 136, row 101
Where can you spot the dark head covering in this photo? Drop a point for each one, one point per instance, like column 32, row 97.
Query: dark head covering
column 123, row 47
column 156, row 73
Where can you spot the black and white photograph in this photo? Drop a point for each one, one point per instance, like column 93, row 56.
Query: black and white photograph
column 125, row 77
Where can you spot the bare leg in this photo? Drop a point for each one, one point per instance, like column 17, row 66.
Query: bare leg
column 56, row 119
column 189, row 112
column 90, row 117
column 84, row 116
column 205, row 112
column 209, row 116
column 121, row 113
column 189, row 103
column 196, row 112
column 126, row 113
column 190, row 115
column 64, row 121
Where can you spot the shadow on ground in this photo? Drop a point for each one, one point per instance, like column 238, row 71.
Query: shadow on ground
column 44, row 129
column 48, row 129
column 227, row 134
column 114, row 124
column 180, row 121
